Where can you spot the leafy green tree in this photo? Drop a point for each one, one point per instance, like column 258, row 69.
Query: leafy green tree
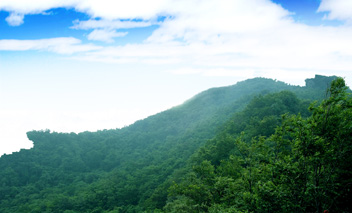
column 312, row 156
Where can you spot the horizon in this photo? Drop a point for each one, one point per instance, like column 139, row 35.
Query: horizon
column 78, row 65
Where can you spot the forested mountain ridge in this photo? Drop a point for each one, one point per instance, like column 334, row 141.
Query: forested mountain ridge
column 130, row 169
column 302, row 165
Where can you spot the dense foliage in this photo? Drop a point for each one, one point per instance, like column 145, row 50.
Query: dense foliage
column 212, row 153
column 304, row 166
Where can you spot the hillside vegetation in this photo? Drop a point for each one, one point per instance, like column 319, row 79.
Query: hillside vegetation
column 302, row 165
column 227, row 149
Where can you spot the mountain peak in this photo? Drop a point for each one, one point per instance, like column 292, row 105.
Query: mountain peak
column 319, row 81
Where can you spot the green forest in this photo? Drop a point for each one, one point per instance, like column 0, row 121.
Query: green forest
column 260, row 145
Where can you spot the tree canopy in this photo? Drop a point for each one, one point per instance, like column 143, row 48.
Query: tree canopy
column 304, row 166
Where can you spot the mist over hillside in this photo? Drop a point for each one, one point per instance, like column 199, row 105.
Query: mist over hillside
column 132, row 169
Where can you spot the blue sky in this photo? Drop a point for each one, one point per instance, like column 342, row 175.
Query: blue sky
column 78, row 65
column 305, row 11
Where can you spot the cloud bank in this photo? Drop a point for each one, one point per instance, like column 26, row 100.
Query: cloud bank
column 231, row 35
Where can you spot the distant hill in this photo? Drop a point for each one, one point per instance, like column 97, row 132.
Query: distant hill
column 128, row 169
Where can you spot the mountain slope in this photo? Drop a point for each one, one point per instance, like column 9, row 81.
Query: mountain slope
column 274, row 156
column 125, row 169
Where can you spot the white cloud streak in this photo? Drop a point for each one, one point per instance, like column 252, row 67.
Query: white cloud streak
column 64, row 45
column 108, row 24
column 105, row 35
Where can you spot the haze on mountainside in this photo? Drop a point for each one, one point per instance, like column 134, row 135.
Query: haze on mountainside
column 77, row 65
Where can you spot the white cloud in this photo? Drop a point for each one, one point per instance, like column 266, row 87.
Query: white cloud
column 256, row 34
column 15, row 19
column 295, row 46
column 150, row 10
column 30, row 7
column 105, row 9
column 109, row 24
column 64, row 45
column 247, row 34
column 338, row 9
column 206, row 20
column 108, row 9
column 105, row 35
